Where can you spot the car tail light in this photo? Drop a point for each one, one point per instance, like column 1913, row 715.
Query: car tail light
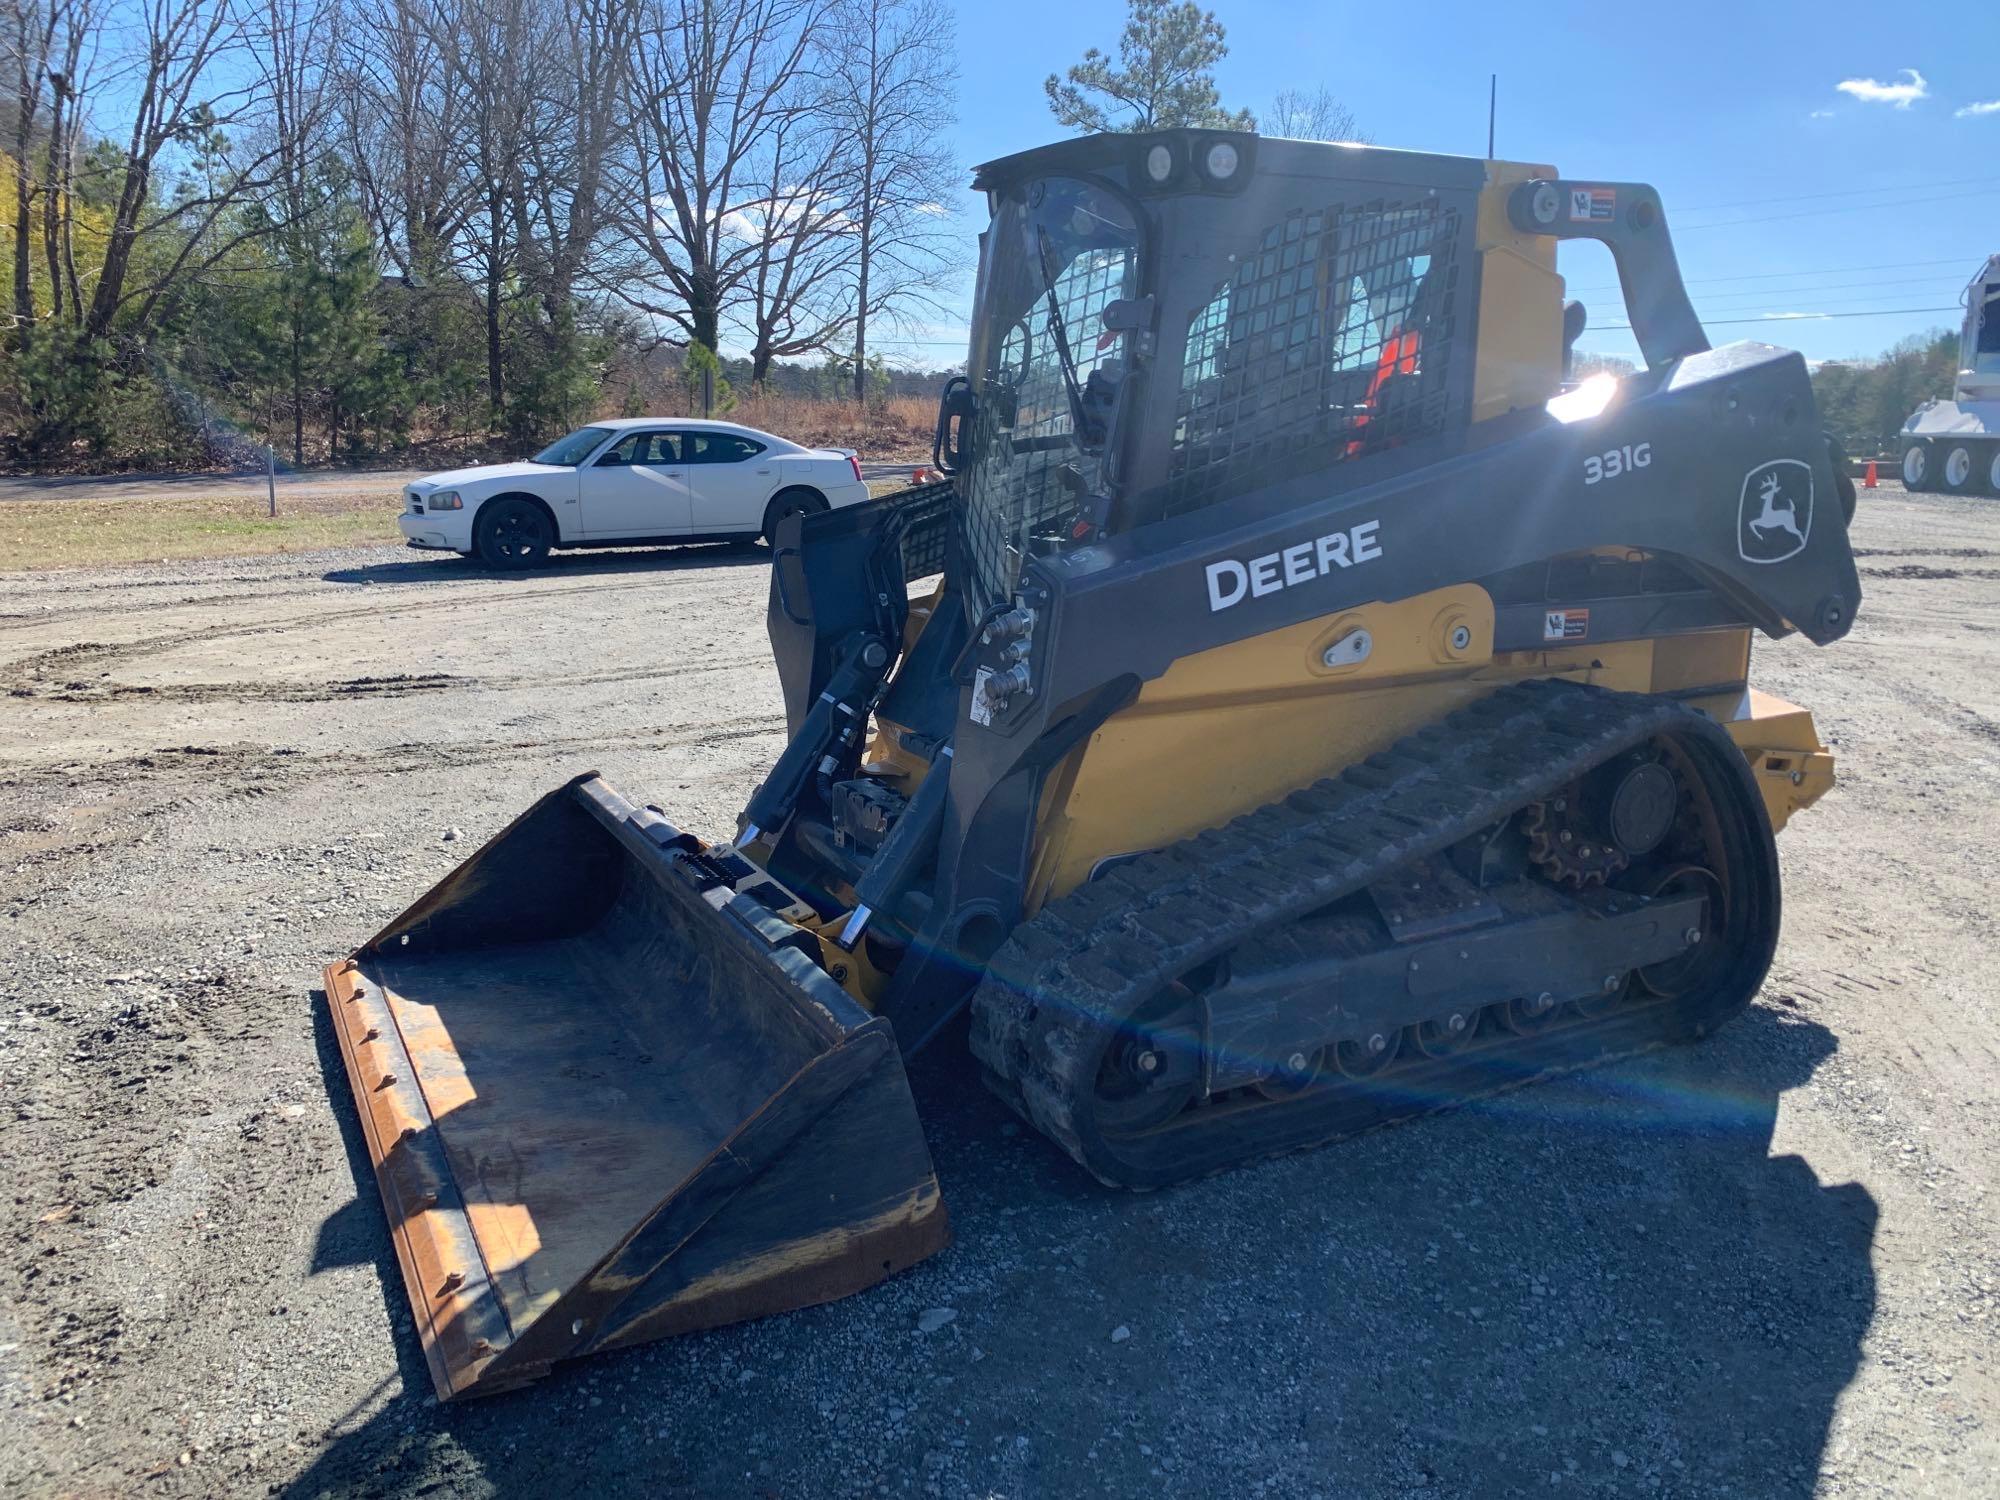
column 854, row 463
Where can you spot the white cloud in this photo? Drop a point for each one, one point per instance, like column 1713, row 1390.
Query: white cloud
column 1780, row 317
column 1820, row 114
column 1990, row 107
column 810, row 208
column 1874, row 91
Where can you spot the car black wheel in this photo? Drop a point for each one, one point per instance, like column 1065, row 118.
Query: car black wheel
column 792, row 502
column 514, row 534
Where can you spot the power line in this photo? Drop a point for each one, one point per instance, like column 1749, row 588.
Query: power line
column 1895, row 288
column 1894, row 265
column 1809, row 213
column 1900, row 187
column 1779, row 277
column 1812, row 317
column 1806, row 302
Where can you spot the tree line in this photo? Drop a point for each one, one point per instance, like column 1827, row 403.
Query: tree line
column 342, row 221
column 349, row 227
column 1864, row 403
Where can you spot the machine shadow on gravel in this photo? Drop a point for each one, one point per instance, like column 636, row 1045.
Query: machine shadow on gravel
column 435, row 569
column 1605, row 1282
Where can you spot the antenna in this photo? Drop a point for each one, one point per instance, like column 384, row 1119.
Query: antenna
column 1492, row 109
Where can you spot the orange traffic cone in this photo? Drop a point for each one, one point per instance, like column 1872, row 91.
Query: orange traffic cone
column 1868, row 482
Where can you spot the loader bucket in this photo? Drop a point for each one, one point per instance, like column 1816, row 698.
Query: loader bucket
column 608, row 1099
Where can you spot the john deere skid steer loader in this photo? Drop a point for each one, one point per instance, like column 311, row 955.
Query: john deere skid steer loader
column 1319, row 711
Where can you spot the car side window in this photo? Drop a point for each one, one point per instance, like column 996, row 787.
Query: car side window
column 644, row 448
column 721, row 448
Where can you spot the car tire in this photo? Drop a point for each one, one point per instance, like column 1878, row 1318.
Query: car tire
column 1916, row 468
column 795, row 501
column 513, row 533
column 1955, row 473
column 1993, row 470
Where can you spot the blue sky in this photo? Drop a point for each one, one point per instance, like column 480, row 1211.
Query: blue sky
column 1733, row 111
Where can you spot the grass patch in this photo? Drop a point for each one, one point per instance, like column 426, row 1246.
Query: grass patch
column 39, row 534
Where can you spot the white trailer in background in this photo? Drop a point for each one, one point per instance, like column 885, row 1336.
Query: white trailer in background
column 1954, row 445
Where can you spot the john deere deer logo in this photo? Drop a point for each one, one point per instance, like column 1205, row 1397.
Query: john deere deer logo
column 1775, row 515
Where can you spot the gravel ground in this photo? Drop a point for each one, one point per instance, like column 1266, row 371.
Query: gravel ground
column 1763, row 1266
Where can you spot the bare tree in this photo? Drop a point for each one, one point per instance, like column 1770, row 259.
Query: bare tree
column 710, row 81
column 890, row 94
column 573, row 128
column 403, row 121
column 189, row 91
column 488, row 51
column 1315, row 115
column 31, row 29
column 798, row 231
column 291, row 44
column 72, row 66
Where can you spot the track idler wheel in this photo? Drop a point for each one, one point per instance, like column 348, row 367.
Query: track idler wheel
column 1695, row 969
column 1151, row 1071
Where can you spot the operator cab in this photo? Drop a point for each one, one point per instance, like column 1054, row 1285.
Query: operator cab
column 1979, row 344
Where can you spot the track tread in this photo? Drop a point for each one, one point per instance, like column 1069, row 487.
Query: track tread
column 1092, row 954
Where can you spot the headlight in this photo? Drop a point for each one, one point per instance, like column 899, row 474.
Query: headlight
column 1222, row 161
column 445, row 500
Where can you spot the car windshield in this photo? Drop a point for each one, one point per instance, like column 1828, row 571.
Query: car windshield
column 1050, row 375
column 570, row 451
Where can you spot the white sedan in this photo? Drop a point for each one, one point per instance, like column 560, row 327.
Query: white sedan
column 620, row 483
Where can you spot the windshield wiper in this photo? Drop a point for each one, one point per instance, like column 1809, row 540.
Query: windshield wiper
column 1089, row 431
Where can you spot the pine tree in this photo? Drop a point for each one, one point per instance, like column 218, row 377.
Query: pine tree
column 1165, row 75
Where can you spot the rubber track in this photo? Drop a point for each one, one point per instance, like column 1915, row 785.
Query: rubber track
column 1038, row 1017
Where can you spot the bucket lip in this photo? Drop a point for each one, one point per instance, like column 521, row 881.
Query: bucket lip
column 461, row 1321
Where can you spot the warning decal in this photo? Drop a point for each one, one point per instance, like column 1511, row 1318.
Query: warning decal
column 1566, row 625
column 1587, row 204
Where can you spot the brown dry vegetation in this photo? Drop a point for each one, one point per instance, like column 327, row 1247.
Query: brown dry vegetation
column 889, row 431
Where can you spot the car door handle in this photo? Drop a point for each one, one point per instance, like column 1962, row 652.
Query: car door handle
column 763, row 471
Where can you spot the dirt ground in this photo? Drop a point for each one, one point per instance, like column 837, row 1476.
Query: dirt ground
column 1764, row 1266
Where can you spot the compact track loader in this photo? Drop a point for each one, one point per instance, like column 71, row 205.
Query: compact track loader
column 1319, row 711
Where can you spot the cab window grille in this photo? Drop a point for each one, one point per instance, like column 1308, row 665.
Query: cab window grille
column 1332, row 340
column 1023, row 431
column 924, row 520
